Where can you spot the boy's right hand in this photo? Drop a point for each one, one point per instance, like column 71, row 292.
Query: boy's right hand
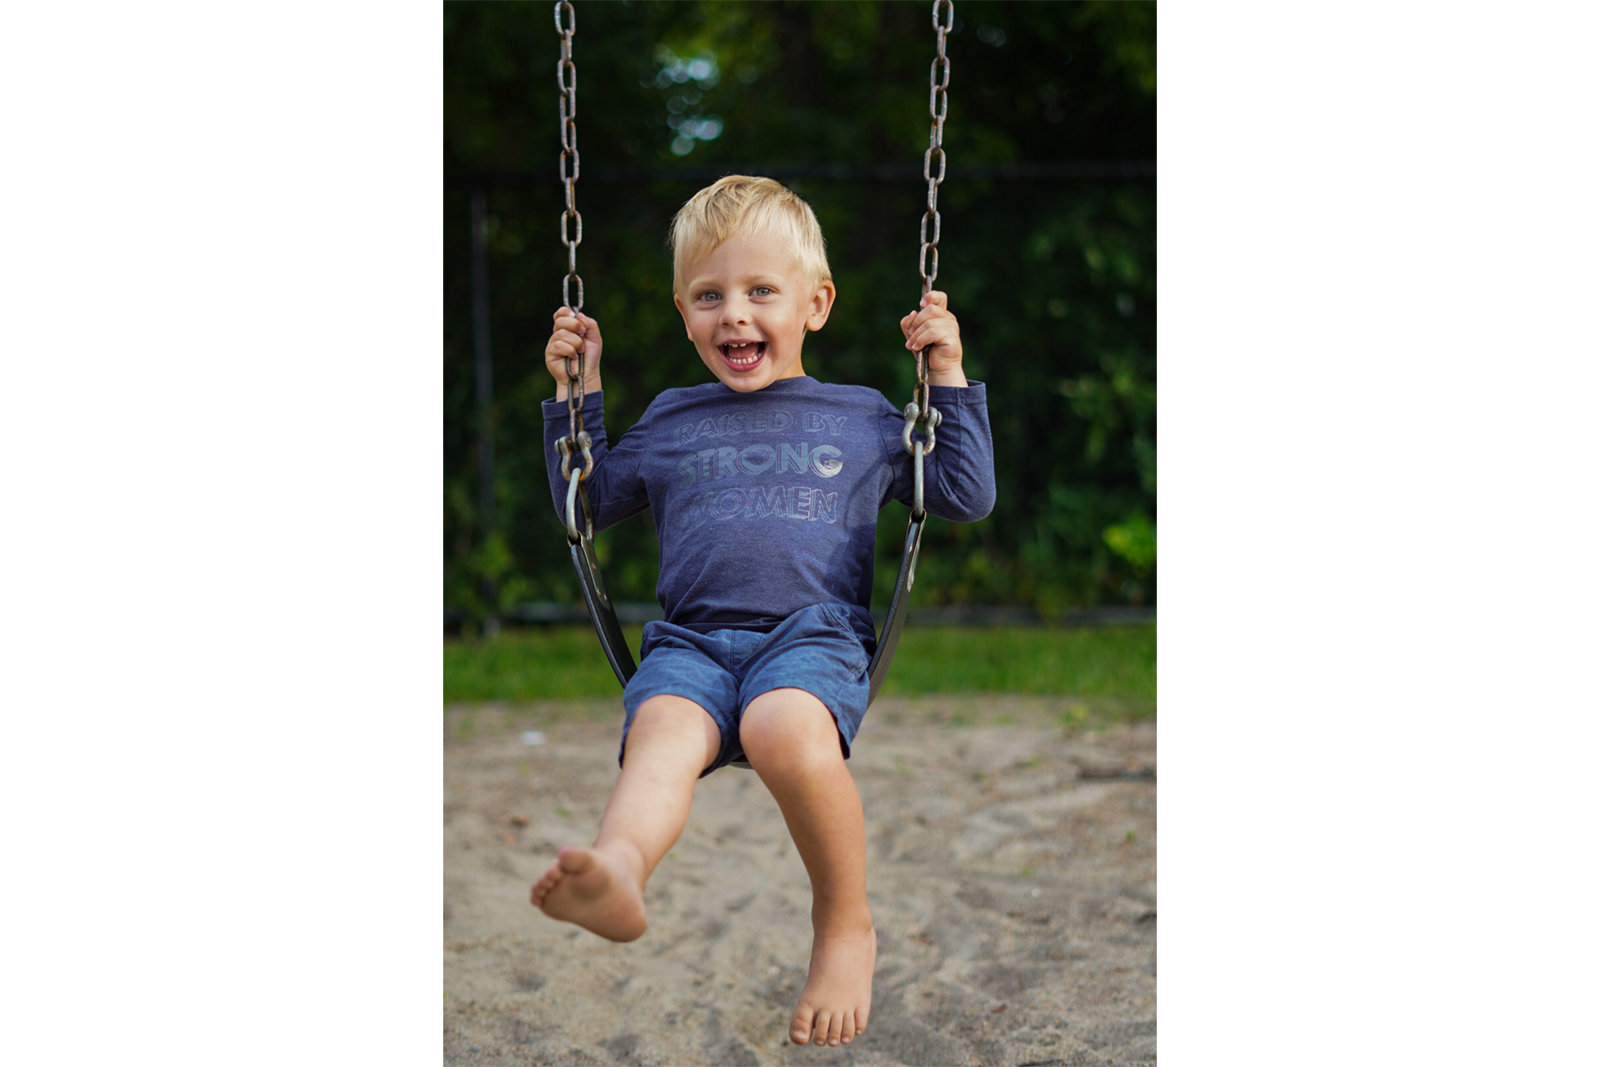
column 573, row 332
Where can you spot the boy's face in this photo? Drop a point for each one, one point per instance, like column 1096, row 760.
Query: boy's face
column 747, row 307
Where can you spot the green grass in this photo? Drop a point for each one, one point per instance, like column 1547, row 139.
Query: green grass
column 1114, row 663
column 548, row 663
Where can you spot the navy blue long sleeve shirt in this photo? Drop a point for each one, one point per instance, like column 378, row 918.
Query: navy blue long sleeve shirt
column 767, row 502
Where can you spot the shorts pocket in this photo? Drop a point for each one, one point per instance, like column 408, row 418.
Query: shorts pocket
column 835, row 622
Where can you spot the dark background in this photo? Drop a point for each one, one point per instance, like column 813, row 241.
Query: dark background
column 1047, row 251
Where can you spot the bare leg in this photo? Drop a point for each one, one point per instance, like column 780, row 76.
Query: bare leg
column 601, row 888
column 792, row 742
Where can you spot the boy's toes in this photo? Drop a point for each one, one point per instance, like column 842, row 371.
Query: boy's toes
column 541, row 888
column 800, row 1026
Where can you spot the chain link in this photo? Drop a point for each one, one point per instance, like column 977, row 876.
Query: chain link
column 567, row 79
column 921, row 412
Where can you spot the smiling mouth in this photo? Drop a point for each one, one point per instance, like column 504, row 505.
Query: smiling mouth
column 742, row 355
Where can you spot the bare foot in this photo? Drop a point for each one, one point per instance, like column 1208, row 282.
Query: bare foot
column 595, row 889
column 837, row 998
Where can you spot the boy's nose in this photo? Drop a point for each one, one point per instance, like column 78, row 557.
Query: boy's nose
column 734, row 311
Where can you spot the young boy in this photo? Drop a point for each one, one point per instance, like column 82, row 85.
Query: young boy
column 765, row 487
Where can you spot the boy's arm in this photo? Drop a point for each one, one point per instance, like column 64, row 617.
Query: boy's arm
column 958, row 475
column 615, row 487
column 615, row 490
column 557, row 424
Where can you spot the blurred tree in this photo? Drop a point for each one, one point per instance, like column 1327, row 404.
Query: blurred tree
column 1048, row 253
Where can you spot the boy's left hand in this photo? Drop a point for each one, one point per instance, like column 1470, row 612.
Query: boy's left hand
column 934, row 328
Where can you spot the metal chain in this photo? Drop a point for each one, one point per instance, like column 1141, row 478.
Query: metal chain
column 567, row 79
column 921, row 412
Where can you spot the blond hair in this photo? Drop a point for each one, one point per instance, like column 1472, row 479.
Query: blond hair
column 740, row 204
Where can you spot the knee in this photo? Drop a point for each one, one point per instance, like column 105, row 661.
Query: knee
column 677, row 723
column 670, row 716
column 782, row 731
column 658, row 711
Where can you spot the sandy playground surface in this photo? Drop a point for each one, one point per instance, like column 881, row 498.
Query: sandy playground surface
column 1011, row 869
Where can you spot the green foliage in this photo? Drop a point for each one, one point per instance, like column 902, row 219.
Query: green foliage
column 1134, row 541
column 1054, row 280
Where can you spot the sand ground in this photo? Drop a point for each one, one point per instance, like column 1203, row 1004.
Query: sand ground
column 1012, row 878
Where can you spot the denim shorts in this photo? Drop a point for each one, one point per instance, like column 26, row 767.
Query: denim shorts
column 814, row 649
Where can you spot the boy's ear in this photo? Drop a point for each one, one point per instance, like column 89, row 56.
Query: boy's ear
column 677, row 302
column 821, row 305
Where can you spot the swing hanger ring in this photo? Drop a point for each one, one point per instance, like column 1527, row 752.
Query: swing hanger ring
column 564, row 446
column 928, row 420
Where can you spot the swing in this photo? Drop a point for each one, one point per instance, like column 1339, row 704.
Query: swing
column 920, row 413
